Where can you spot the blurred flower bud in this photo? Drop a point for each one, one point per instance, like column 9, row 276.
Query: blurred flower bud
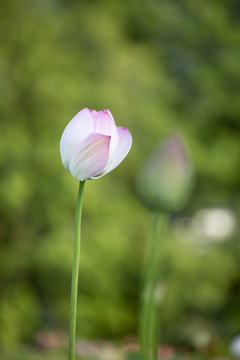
column 234, row 348
column 166, row 179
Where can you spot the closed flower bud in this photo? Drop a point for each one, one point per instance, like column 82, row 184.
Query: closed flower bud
column 92, row 145
column 234, row 347
column 166, row 179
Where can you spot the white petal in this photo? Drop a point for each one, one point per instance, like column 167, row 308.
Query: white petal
column 91, row 156
column 109, row 113
column 124, row 145
column 105, row 124
column 75, row 132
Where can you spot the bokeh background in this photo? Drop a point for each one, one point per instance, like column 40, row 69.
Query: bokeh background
column 160, row 67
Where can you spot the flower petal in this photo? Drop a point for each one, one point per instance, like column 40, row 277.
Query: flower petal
column 105, row 124
column 124, row 145
column 109, row 113
column 93, row 112
column 91, row 156
column 75, row 132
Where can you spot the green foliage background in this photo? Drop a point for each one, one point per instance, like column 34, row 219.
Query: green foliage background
column 159, row 66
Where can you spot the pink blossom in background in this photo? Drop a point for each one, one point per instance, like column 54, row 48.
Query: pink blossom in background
column 92, row 145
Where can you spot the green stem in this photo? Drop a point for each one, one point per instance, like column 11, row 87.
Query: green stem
column 149, row 308
column 75, row 272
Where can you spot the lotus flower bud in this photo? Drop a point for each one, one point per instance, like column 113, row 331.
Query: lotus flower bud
column 166, row 179
column 92, row 145
column 234, row 347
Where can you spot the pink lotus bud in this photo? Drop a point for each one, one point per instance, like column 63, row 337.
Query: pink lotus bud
column 92, row 145
column 166, row 179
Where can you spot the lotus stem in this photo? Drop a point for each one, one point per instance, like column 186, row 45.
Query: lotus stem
column 75, row 272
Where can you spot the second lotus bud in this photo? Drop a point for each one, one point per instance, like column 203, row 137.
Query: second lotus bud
column 166, row 179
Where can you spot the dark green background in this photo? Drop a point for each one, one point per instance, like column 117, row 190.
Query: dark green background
column 160, row 67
